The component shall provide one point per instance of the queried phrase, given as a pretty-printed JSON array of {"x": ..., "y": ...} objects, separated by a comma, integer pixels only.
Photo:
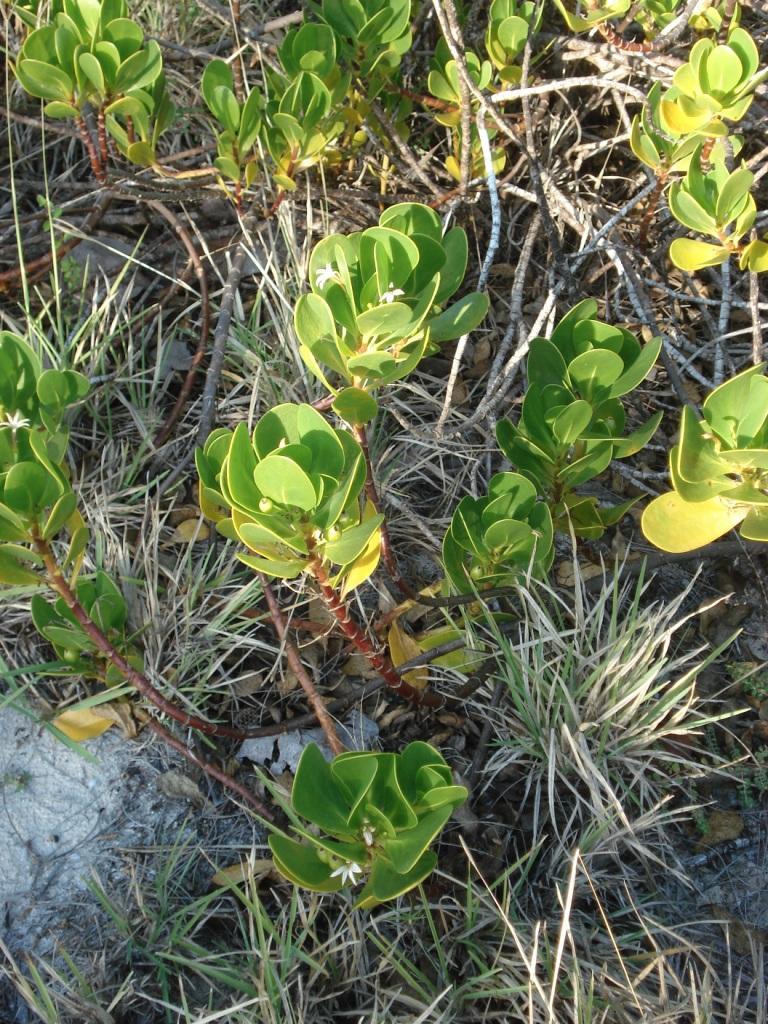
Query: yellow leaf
[
  {"x": 403, "y": 647},
  {"x": 365, "y": 563},
  {"x": 190, "y": 531},
  {"x": 82, "y": 723},
  {"x": 241, "y": 872},
  {"x": 676, "y": 525}
]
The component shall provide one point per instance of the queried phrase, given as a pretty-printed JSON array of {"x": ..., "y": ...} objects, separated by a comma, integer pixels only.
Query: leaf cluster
[
  {"x": 378, "y": 814},
  {"x": 572, "y": 421},
  {"x": 718, "y": 469}
]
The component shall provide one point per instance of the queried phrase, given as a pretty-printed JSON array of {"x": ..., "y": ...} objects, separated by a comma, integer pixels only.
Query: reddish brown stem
[
  {"x": 653, "y": 202},
  {"x": 387, "y": 552},
  {"x": 612, "y": 36},
  {"x": 57, "y": 582},
  {"x": 292, "y": 655},
  {"x": 96, "y": 166},
  {"x": 706, "y": 152},
  {"x": 210, "y": 769},
  {"x": 102, "y": 134},
  {"x": 362, "y": 642}
]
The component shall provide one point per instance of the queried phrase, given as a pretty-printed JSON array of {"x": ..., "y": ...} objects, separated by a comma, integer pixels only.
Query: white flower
[
  {"x": 392, "y": 294},
  {"x": 369, "y": 834},
  {"x": 324, "y": 276},
  {"x": 347, "y": 872},
  {"x": 15, "y": 421}
]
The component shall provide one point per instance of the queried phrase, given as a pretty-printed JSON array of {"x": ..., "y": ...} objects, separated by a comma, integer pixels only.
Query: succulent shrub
[
  {"x": 494, "y": 540},
  {"x": 372, "y": 37},
  {"x": 36, "y": 499},
  {"x": 443, "y": 85},
  {"x": 718, "y": 470},
  {"x": 572, "y": 420},
  {"x": 593, "y": 14},
  {"x": 717, "y": 202},
  {"x": 92, "y": 54},
  {"x": 105, "y": 605},
  {"x": 510, "y": 22},
  {"x": 715, "y": 85},
  {"x": 652, "y": 146},
  {"x": 291, "y": 493},
  {"x": 237, "y": 158},
  {"x": 378, "y": 304},
  {"x": 378, "y": 814}
]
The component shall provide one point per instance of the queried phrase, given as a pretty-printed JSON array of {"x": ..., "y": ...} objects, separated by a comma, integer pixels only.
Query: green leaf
[
  {"x": 638, "y": 370},
  {"x": 60, "y": 513},
  {"x": 286, "y": 569},
  {"x": 301, "y": 865},
  {"x": 355, "y": 406},
  {"x": 92, "y": 70},
  {"x": 141, "y": 69},
  {"x": 316, "y": 795},
  {"x": 572, "y": 422},
  {"x": 285, "y": 482},
  {"x": 594, "y": 372},
  {"x": 460, "y": 318},
  {"x": 15, "y": 573},
  {"x": 45, "y": 81},
  {"x": 352, "y": 541},
  {"x": 59, "y": 110},
  {"x": 386, "y": 883}
]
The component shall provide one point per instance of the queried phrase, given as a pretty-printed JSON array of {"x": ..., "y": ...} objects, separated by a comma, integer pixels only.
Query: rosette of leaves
[
  {"x": 92, "y": 54},
  {"x": 494, "y": 540},
  {"x": 378, "y": 814},
  {"x": 105, "y": 606},
  {"x": 709, "y": 18},
  {"x": 237, "y": 159},
  {"x": 35, "y": 495},
  {"x": 718, "y": 470},
  {"x": 718, "y": 203},
  {"x": 653, "y": 147},
  {"x": 291, "y": 492},
  {"x": 371, "y": 37},
  {"x": 510, "y": 22},
  {"x": 378, "y": 303},
  {"x": 572, "y": 421},
  {"x": 716, "y": 85},
  {"x": 302, "y": 120},
  {"x": 443, "y": 84}
]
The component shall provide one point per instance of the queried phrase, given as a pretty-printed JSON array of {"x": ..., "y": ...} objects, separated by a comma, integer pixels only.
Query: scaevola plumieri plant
[
  {"x": 378, "y": 304},
  {"x": 718, "y": 470},
  {"x": 378, "y": 814},
  {"x": 572, "y": 421},
  {"x": 290, "y": 491},
  {"x": 36, "y": 498},
  {"x": 494, "y": 540}
]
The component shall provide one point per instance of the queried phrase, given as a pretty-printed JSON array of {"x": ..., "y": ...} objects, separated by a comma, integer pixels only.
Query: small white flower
[
  {"x": 347, "y": 872},
  {"x": 392, "y": 294},
  {"x": 15, "y": 421},
  {"x": 325, "y": 275},
  {"x": 369, "y": 834}
]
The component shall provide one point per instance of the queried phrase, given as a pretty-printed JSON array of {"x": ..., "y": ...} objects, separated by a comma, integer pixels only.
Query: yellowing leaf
[
  {"x": 676, "y": 525},
  {"x": 190, "y": 531},
  {"x": 259, "y": 868},
  {"x": 82, "y": 723},
  {"x": 403, "y": 647},
  {"x": 365, "y": 563},
  {"x": 690, "y": 254}
]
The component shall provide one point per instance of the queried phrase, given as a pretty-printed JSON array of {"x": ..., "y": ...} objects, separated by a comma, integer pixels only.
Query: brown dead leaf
[
  {"x": 742, "y": 937},
  {"x": 121, "y": 714},
  {"x": 182, "y": 512},
  {"x": 358, "y": 665},
  {"x": 566, "y": 577},
  {"x": 180, "y": 787},
  {"x": 722, "y": 827}
]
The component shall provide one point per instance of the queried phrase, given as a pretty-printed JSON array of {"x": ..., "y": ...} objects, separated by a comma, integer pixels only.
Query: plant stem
[
  {"x": 216, "y": 773},
  {"x": 653, "y": 202},
  {"x": 325, "y": 720},
  {"x": 56, "y": 581},
  {"x": 102, "y": 135},
  {"x": 362, "y": 642},
  {"x": 387, "y": 551},
  {"x": 96, "y": 165}
]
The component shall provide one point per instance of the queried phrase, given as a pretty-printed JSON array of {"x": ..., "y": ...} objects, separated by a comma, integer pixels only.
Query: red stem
[
  {"x": 209, "y": 769},
  {"x": 102, "y": 129},
  {"x": 362, "y": 642},
  {"x": 58, "y": 583},
  {"x": 93, "y": 156}
]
